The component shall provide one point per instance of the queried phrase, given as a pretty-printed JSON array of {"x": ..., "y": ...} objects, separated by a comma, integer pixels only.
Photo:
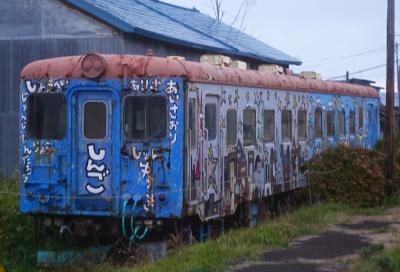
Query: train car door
[
  {"x": 94, "y": 134},
  {"x": 211, "y": 155},
  {"x": 372, "y": 125},
  {"x": 194, "y": 171}
]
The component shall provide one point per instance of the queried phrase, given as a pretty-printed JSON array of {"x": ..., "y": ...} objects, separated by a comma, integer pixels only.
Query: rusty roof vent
[{"x": 150, "y": 52}]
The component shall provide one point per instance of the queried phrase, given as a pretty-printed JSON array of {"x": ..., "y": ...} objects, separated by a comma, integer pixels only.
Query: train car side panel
[{"x": 265, "y": 136}]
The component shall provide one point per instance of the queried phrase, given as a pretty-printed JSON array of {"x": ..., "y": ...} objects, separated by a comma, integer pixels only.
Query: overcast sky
[{"x": 329, "y": 36}]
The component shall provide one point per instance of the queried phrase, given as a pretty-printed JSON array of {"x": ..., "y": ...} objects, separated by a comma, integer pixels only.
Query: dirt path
[{"x": 332, "y": 250}]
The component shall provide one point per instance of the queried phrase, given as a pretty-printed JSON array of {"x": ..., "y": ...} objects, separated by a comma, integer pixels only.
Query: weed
[
  {"x": 375, "y": 258},
  {"x": 371, "y": 250}
]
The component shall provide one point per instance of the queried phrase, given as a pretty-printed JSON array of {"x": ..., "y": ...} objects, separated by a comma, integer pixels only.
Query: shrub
[{"x": 351, "y": 175}]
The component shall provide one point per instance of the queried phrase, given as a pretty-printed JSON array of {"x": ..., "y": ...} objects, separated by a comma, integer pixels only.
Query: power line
[
  {"x": 326, "y": 61},
  {"x": 360, "y": 71}
]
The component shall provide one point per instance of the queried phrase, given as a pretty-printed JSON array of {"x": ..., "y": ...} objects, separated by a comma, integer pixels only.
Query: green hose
[
  {"x": 134, "y": 230},
  {"x": 132, "y": 217},
  {"x": 123, "y": 219},
  {"x": 140, "y": 237}
]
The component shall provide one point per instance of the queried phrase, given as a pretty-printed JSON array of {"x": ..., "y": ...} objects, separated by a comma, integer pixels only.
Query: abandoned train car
[{"x": 155, "y": 139}]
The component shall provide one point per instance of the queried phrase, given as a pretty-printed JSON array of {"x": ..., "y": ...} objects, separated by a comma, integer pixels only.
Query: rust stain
[{"x": 70, "y": 67}]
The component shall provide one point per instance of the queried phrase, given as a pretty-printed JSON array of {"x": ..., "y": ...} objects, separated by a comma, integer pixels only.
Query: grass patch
[
  {"x": 17, "y": 247},
  {"x": 217, "y": 255},
  {"x": 375, "y": 258}
]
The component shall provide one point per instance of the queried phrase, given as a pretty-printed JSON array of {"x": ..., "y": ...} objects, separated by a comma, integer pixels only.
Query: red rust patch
[{"x": 138, "y": 66}]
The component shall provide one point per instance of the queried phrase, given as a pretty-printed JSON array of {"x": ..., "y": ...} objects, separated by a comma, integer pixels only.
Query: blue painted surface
[
  {"x": 93, "y": 177},
  {"x": 187, "y": 27},
  {"x": 63, "y": 258},
  {"x": 76, "y": 176}
]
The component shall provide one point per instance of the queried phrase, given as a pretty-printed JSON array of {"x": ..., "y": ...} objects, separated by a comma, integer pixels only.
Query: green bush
[{"x": 351, "y": 175}]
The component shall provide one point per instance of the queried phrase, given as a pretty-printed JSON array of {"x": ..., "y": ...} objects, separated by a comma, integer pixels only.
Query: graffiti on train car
[
  {"x": 142, "y": 85},
  {"x": 37, "y": 148},
  {"x": 271, "y": 163},
  {"x": 96, "y": 168},
  {"x": 148, "y": 171}
]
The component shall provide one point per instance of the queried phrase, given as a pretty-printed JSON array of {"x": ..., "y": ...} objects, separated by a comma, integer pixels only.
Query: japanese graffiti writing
[
  {"x": 145, "y": 84},
  {"x": 95, "y": 168},
  {"x": 27, "y": 147},
  {"x": 26, "y": 159},
  {"x": 146, "y": 167},
  {"x": 173, "y": 98}
]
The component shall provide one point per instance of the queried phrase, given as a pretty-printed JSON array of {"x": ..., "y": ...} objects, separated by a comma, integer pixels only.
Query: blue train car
[{"x": 105, "y": 137}]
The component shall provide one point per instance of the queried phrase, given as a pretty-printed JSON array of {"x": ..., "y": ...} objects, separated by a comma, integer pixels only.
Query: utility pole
[
  {"x": 398, "y": 73},
  {"x": 389, "y": 125}
]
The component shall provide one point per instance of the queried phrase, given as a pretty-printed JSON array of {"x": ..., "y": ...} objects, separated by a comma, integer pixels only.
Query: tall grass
[{"x": 17, "y": 247}]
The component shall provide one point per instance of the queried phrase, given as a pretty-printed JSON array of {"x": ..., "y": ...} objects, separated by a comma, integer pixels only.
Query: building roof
[
  {"x": 119, "y": 66},
  {"x": 182, "y": 26}
]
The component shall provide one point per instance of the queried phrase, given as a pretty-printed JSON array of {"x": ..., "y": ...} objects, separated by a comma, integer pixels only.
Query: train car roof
[{"x": 120, "y": 66}]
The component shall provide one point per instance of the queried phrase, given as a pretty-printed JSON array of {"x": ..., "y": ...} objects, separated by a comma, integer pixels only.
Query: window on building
[
  {"x": 352, "y": 123},
  {"x": 47, "y": 116},
  {"x": 330, "y": 123},
  {"x": 342, "y": 123},
  {"x": 95, "y": 120},
  {"x": 249, "y": 127},
  {"x": 286, "y": 125},
  {"x": 231, "y": 127},
  {"x": 192, "y": 122},
  {"x": 269, "y": 125},
  {"x": 211, "y": 121},
  {"x": 302, "y": 125},
  {"x": 145, "y": 117},
  {"x": 361, "y": 117},
  {"x": 318, "y": 123}
]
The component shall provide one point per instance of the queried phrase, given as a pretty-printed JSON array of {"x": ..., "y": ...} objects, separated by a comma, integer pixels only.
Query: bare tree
[
  {"x": 240, "y": 16},
  {"x": 217, "y": 8}
]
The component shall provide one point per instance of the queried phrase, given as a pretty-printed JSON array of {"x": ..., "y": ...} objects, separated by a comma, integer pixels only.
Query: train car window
[
  {"x": 342, "y": 122},
  {"x": 249, "y": 127},
  {"x": 318, "y": 123},
  {"x": 330, "y": 123},
  {"x": 95, "y": 120},
  {"x": 361, "y": 117},
  {"x": 145, "y": 117},
  {"x": 192, "y": 122},
  {"x": 47, "y": 116},
  {"x": 302, "y": 125},
  {"x": 286, "y": 125},
  {"x": 231, "y": 127},
  {"x": 352, "y": 123},
  {"x": 269, "y": 125},
  {"x": 211, "y": 121}
]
